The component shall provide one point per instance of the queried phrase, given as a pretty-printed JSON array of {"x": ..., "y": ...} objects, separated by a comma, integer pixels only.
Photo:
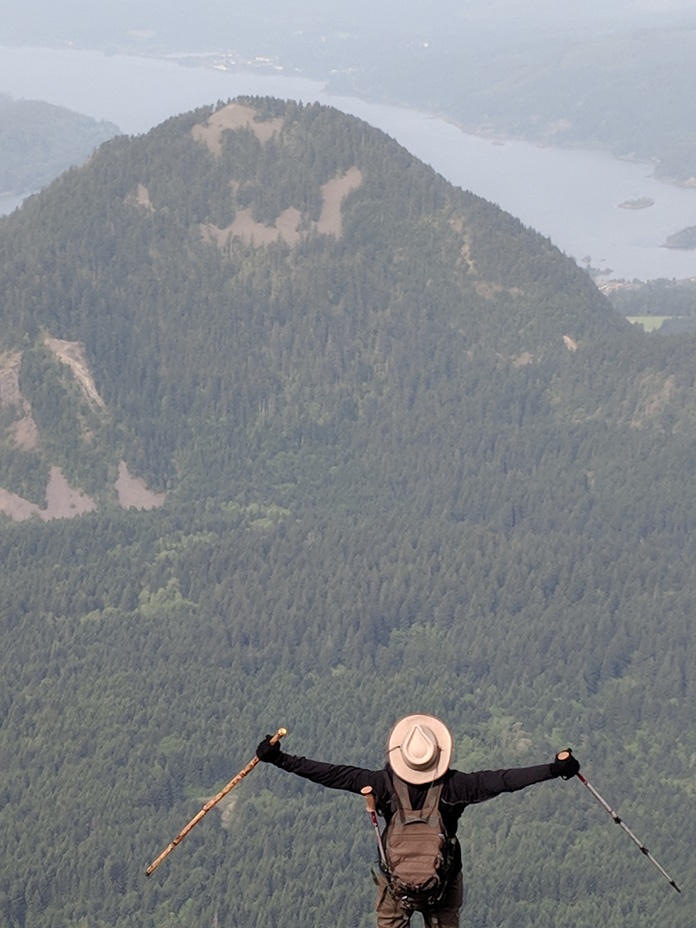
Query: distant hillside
[
  {"x": 341, "y": 442},
  {"x": 619, "y": 75},
  {"x": 38, "y": 141},
  {"x": 627, "y": 89}
]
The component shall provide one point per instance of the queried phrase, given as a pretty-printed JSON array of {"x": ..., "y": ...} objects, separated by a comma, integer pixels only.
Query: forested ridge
[
  {"x": 38, "y": 141},
  {"x": 413, "y": 461}
]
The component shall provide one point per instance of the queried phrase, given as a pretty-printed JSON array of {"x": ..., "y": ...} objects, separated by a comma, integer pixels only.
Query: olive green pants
[{"x": 392, "y": 914}]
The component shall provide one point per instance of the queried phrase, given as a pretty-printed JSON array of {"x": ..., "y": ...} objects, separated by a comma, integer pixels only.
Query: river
[{"x": 573, "y": 196}]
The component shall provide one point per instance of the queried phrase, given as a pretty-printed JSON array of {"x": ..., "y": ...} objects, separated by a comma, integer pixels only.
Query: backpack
[{"x": 419, "y": 855}]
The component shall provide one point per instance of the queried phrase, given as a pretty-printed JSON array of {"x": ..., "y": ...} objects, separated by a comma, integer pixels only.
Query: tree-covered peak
[{"x": 255, "y": 286}]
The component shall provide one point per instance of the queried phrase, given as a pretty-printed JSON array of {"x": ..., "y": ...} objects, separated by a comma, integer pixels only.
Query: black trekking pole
[{"x": 619, "y": 821}]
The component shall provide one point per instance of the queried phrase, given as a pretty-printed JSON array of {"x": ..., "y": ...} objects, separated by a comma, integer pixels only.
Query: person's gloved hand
[
  {"x": 268, "y": 753},
  {"x": 565, "y": 765}
]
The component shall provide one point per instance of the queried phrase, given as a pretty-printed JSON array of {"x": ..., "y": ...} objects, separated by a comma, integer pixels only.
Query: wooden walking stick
[{"x": 209, "y": 805}]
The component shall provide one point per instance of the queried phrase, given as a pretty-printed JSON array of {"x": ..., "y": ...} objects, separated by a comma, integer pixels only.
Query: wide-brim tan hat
[{"x": 419, "y": 748}]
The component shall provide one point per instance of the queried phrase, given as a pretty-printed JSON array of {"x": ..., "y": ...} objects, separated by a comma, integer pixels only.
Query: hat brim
[{"x": 444, "y": 741}]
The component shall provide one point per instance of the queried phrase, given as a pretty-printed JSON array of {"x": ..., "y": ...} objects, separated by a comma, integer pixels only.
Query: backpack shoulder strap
[{"x": 403, "y": 802}]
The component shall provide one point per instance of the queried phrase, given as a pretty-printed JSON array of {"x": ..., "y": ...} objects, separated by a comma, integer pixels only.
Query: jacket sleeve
[
  {"x": 486, "y": 784},
  {"x": 335, "y": 776}
]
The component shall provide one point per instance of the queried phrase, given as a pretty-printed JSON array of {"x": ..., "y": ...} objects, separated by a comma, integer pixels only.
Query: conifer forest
[{"x": 400, "y": 455}]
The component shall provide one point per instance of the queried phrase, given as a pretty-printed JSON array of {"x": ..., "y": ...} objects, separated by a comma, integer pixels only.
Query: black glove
[
  {"x": 565, "y": 765},
  {"x": 268, "y": 753}
]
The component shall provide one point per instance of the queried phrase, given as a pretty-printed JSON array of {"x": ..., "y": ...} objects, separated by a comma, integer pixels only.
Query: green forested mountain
[
  {"x": 38, "y": 141},
  {"x": 406, "y": 458}
]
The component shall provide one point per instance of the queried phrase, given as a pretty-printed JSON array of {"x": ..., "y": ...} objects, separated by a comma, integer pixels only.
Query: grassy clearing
[{"x": 649, "y": 323}]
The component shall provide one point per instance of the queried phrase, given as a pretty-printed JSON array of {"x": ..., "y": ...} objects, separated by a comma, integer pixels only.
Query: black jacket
[{"x": 459, "y": 789}]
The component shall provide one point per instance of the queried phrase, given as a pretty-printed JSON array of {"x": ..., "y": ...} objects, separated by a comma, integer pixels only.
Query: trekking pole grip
[
  {"x": 370, "y": 803},
  {"x": 564, "y": 755}
]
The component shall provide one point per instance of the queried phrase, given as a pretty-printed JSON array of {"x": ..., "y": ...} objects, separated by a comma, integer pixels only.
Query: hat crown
[{"x": 420, "y": 749}]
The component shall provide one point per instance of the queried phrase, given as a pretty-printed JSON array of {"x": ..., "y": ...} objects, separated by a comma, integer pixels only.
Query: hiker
[{"x": 417, "y": 775}]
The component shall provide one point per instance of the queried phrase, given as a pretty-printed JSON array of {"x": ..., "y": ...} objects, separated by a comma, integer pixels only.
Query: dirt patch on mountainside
[
  {"x": 488, "y": 289},
  {"x": 10, "y": 364},
  {"x": 133, "y": 492},
  {"x": 25, "y": 433},
  {"x": 62, "y": 501},
  {"x": 245, "y": 227},
  {"x": 234, "y": 116},
  {"x": 333, "y": 194},
  {"x": 141, "y": 197},
  {"x": 16, "y": 507},
  {"x": 290, "y": 226},
  {"x": 73, "y": 354},
  {"x": 23, "y": 430}
]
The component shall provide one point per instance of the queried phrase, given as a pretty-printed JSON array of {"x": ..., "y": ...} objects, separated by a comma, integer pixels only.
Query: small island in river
[{"x": 639, "y": 203}]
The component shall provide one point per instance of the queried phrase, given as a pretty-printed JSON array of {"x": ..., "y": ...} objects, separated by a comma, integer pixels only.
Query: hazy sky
[{"x": 87, "y": 22}]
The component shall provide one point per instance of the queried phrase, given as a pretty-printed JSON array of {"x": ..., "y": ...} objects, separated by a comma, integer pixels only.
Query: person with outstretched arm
[{"x": 421, "y": 800}]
